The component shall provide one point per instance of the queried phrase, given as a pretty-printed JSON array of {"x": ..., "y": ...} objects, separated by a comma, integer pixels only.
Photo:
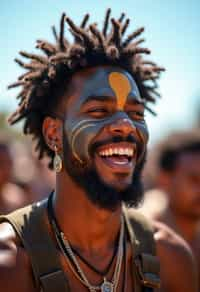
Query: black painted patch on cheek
[
  {"x": 82, "y": 135},
  {"x": 81, "y": 139},
  {"x": 82, "y": 131},
  {"x": 142, "y": 132}
]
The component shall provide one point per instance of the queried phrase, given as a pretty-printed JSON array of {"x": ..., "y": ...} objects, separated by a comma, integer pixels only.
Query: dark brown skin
[
  {"x": 74, "y": 210},
  {"x": 182, "y": 214},
  {"x": 194, "y": 243},
  {"x": 177, "y": 265},
  {"x": 175, "y": 259},
  {"x": 11, "y": 195},
  {"x": 11, "y": 198}
]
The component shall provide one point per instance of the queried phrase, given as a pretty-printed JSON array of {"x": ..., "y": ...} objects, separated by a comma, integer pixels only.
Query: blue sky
[{"x": 172, "y": 34}]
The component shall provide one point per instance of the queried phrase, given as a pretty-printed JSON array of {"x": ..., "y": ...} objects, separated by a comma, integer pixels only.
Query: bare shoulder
[
  {"x": 15, "y": 269},
  {"x": 178, "y": 270}
]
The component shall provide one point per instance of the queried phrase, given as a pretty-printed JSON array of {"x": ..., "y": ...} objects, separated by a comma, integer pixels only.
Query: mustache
[{"x": 115, "y": 139}]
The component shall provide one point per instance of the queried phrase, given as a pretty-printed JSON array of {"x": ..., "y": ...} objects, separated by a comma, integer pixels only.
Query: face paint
[
  {"x": 103, "y": 82},
  {"x": 86, "y": 130},
  {"x": 121, "y": 87},
  {"x": 100, "y": 193}
]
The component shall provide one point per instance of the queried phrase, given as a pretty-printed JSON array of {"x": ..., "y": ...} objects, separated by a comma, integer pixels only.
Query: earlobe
[{"x": 52, "y": 133}]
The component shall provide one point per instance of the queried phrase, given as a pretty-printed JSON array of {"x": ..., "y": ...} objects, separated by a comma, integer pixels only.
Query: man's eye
[
  {"x": 98, "y": 112},
  {"x": 136, "y": 115}
]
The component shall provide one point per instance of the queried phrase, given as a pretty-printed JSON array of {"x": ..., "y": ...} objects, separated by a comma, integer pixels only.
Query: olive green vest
[{"x": 29, "y": 224}]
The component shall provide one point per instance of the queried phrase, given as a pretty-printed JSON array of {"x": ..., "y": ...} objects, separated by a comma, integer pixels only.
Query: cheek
[
  {"x": 81, "y": 133},
  {"x": 143, "y": 136},
  {"x": 81, "y": 138},
  {"x": 143, "y": 132}
]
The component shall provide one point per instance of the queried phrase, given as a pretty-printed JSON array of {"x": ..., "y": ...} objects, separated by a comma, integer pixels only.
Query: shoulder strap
[
  {"x": 145, "y": 263},
  {"x": 30, "y": 226}
]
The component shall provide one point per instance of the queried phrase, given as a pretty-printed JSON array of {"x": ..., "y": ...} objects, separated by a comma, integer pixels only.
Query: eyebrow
[
  {"x": 101, "y": 98},
  {"x": 135, "y": 101}
]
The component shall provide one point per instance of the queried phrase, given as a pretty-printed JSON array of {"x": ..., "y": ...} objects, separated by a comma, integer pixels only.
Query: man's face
[
  {"x": 104, "y": 127},
  {"x": 185, "y": 185}
]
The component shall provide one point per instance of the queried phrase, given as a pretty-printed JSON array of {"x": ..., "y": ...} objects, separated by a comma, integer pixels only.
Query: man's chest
[{"x": 124, "y": 282}]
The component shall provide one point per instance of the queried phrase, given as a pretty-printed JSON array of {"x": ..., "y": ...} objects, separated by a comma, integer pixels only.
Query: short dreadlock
[{"x": 42, "y": 84}]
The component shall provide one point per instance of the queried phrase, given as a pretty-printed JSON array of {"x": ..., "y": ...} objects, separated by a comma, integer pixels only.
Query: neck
[
  {"x": 187, "y": 227},
  {"x": 86, "y": 226}
]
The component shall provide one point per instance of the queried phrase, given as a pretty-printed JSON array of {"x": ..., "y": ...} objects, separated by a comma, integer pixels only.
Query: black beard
[{"x": 99, "y": 193}]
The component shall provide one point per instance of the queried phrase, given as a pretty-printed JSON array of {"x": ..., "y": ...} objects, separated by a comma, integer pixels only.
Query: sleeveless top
[{"x": 29, "y": 224}]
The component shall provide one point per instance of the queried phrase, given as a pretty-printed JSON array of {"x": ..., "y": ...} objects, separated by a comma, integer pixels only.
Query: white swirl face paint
[{"x": 104, "y": 97}]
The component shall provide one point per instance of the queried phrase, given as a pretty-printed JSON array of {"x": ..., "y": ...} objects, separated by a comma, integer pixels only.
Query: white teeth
[
  {"x": 110, "y": 151},
  {"x": 117, "y": 151},
  {"x": 127, "y": 151},
  {"x": 130, "y": 152},
  {"x": 121, "y": 151},
  {"x": 107, "y": 153}
]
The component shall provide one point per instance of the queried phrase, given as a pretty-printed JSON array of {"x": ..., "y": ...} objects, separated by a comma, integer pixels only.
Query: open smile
[{"x": 121, "y": 157}]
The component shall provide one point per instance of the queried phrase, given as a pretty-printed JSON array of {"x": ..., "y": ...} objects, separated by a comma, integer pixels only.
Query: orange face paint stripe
[{"x": 121, "y": 87}]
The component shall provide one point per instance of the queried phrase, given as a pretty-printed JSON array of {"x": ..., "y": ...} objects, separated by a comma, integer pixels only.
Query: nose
[{"x": 122, "y": 126}]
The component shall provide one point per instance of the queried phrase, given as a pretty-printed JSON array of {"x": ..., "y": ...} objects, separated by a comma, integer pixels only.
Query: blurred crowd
[
  {"x": 23, "y": 178},
  {"x": 172, "y": 184}
]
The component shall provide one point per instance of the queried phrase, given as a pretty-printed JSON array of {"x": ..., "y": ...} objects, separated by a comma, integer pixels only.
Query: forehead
[{"x": 104, "y": 81}]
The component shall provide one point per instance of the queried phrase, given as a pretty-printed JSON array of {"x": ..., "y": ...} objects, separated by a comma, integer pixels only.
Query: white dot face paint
[{"x": 102, "y": 97}]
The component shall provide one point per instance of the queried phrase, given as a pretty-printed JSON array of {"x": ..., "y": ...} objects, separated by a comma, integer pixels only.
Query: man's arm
[
  {"x": 15, "y": 269},
  {"x": 178, "y": 270}
]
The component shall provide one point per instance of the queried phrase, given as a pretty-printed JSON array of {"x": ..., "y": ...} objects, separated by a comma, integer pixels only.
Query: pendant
[{"x": 107, "y": 286}]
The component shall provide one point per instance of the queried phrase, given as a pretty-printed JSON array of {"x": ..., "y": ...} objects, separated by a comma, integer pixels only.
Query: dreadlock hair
[
  {"x": 42, "y": 83},
  {"x": 176, "y": 144}
]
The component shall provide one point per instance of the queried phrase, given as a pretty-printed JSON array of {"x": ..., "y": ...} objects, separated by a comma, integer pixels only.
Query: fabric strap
[
  {"x": 29, "y": 224},
  {"x": 146, "y": 268}
]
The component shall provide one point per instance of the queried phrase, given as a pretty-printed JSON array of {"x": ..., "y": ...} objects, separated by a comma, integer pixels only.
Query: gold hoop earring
[{"x": 57, "y": 161}]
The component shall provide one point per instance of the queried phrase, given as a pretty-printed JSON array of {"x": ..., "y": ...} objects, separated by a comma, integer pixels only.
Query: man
[
  {"x": 15, "y": 192},
  {"x": 178, "y": 177},
  {"x": 11, "y": 195},
  {"x": 84, "y": 104},
  {"x": 6, "y": 165}
]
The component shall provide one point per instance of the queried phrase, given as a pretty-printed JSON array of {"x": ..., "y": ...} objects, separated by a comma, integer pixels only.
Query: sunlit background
[{"x": 172, "y": 34}]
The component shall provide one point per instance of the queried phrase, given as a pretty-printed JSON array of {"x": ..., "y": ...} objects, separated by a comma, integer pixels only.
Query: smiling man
[
  {"x": 105, "y": 133},
  {"x": 84, "y": 104}
]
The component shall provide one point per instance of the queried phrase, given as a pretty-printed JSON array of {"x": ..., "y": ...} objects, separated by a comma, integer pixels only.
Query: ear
[{"x": 52, "y": 132}]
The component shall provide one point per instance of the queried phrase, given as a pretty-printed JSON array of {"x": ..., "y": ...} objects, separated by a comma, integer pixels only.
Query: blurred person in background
[
  {"x": 34, "y": 176},
  {"x": 12, "y": 196},
  {"x": 23, "y": 179},
  {"x": 175, "y": 200},
  {"x": 43, "y": 180},
  {"x": 5, "y": 165}
]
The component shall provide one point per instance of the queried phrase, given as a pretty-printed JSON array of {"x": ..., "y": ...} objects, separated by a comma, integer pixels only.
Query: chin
[
  {"x": 115, "y": 180},
  {"x": 105, "y": 189},
  {"x": 119, "y": 186}
]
